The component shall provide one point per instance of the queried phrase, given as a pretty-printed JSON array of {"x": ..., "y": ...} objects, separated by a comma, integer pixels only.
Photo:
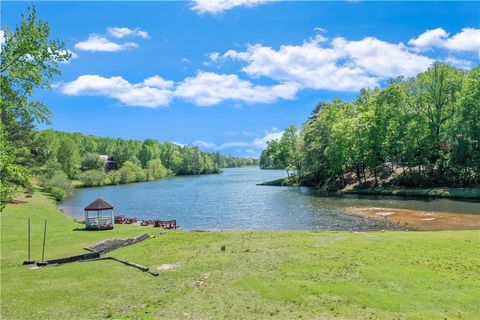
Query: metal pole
[
  {"x": 29, "y": 261},
  {"x": 44, "y": 237},
  {"x": 29, "y": 239},
  {"x": 43, "y": 263}
]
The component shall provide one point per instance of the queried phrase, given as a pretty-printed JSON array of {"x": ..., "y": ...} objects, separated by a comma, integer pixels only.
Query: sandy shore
[{"x": 421, "y": 220}]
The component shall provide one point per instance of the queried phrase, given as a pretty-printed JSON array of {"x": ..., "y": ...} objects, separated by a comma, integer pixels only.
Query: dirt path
[{"x": 422, "y": 220}]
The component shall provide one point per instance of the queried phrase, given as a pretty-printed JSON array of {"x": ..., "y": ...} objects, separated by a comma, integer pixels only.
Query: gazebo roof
[{"x": 99, "y": 205}]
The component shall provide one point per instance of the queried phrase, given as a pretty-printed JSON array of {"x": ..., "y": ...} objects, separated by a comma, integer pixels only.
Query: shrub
[
  {"x": 113, "y": 177},
  {"x": 93, "y": 178},
  {"x": 130, "y": 172},
  {"x": 58, "y": 181},
  {"x": 155, "y": 170},
  {"x": 412, "y": 179},
  {"x": 57, "y": 193},
  {"x": 92, "y": 161},
  {"x": 29, "y": 190}
]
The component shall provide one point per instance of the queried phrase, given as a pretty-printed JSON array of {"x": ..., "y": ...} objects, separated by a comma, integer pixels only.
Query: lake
[{"x": 232, "y": 200}]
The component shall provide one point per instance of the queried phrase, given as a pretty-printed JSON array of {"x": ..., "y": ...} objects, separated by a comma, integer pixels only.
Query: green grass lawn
[{"x": 261, "y": 274}]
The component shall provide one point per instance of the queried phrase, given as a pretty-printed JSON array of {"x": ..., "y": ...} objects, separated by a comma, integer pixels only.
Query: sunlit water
[{"x": 232, "y": 200}]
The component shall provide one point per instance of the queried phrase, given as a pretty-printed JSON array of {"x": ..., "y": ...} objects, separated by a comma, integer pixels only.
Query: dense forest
[
  {"x": 422, "y": 131},
  {"x": 96, "y": 161},
  {"x": 29, "y": 61}
]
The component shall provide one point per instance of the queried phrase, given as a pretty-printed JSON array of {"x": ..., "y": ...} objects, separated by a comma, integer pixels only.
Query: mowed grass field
[{"x": 260, "y": 275}]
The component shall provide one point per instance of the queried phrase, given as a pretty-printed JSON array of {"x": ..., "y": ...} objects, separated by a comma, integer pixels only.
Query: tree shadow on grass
[{"x": 90, "y": 230}]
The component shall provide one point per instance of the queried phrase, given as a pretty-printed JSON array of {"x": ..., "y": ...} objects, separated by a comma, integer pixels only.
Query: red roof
[{"x": 99, "y": 205}]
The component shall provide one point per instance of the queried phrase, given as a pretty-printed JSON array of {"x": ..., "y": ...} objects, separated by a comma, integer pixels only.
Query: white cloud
[
  {"x": 234, "y": 144},
  {"x": 219, "y": 6},
  {"x": 204, "y": 144},
  {"x": 466, "y": 40},
  {"x": 337, "y": 64},
  {"x": 158, "y": 82},
  {"x": 207, "y": 89},
  {"x": 121, "y": 32},
  {"x": 226, "y": 145},
  {"x": 2, "y": 37},
  {"x": 179, "y": 144},
  {"x": 261, "y": 143},
  {"x": 381, "y": 59},
  {"x": 459, "y": 63},
  {"x": 318, "y": 63},
  {"x": 96, "y": 42},
  {"x": 430, "y": 38},
  {"x": 214, "y": 56},
  {"x": 73, "y": 55},
  {"x": 131, "y": 94},
  {"x": 252, "y": 147}
]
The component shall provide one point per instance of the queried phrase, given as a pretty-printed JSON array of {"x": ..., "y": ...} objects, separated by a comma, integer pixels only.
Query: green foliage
[
  {"x": 150, "y": 150},
  {"x": 13, "y": 177},
  {"x": 59, "y": 186},
  {"x": 424, "y": 129},
  {"x": 29, "y": 60},
  {"x": 129, "y": 172},
  {"x": 58, "y": 193},
  {"x": 92, "y": 161},
  {"x": 69, "y": 157},
  {"x": 130, "y": 160},
  {"x": 91, "y": 178},
  {"x": 155, "y": 169},
  {"x": 269, "y": 158}
]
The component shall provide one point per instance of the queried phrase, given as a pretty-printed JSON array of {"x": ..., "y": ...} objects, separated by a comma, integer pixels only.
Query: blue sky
[{"x": 230, "y": 77}]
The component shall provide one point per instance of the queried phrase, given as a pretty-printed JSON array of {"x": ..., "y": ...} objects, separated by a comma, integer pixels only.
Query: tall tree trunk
[
  {"x": 364, "y": 170},
  {"x": 359, "y": 176}
]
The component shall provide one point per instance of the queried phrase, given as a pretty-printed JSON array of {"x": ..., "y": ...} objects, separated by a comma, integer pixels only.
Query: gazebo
[{"x": 103, "y": 219}]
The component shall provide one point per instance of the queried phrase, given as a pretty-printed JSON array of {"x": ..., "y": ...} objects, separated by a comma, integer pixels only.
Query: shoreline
[
  {"x": 80, "y": 185},
  {"x": 435, "y": 192}
]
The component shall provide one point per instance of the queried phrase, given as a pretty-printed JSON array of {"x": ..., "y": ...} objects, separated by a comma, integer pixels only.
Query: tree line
[
  {"x": 96, "y": 161},
  {"x": 420, "y": 131}
]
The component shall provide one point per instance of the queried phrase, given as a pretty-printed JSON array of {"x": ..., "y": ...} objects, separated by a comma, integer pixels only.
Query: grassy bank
[{"x": 261, "y": 274}]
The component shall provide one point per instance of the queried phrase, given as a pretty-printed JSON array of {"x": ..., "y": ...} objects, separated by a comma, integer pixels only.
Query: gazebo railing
[{"x": 99, "y": 223}]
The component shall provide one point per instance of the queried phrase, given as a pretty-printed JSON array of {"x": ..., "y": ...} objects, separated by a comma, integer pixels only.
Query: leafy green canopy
[
  {"x": 76, "y": 153},
  {"x": 421, "y": 131},
  {"x": 29, "y": 60}
]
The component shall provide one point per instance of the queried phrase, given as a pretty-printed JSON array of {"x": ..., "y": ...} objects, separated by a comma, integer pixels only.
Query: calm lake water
[{"x": 231, "y": 200}]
